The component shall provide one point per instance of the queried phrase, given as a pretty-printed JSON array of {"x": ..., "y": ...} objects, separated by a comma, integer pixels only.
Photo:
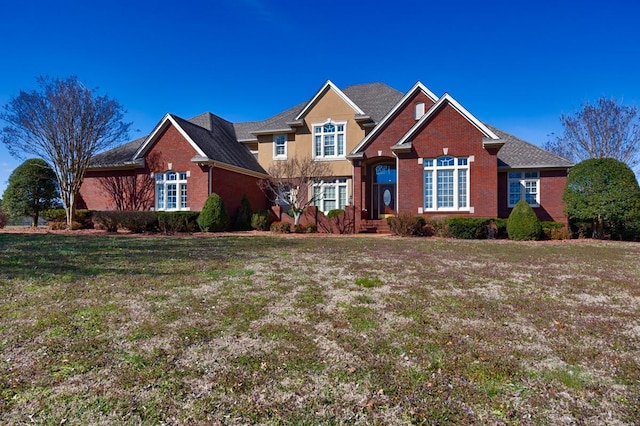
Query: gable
[
  {"x": 397, "y": 122},
  {"x": 334, "y": 93},
  {"x": 160, "y": 129}
]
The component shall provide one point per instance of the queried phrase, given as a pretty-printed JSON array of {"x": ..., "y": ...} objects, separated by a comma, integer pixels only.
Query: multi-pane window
[
  {"x": 524, "y": 186},
  {"x": 280, "y": 146},
  {"x": 328, "y": 140},
  {"x": 446, "y": 183},
  {"x": 171, "y": 190},
  {"x": 330, "y": 195}
]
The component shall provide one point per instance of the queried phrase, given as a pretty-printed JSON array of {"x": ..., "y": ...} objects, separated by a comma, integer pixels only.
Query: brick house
[
  {"x": 388, "y": 152},
  {"x": 179, "y": 164}
]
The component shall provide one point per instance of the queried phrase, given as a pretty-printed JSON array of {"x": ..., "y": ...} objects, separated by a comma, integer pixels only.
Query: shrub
[
  {"x": 83, "y": 218},
  {"x": 405, "y": 224},
  {"x": 172, "y": 222},
  {"x": 54, "y": 215},
  {"x": 261, "y": 220},
  {"x": 3, "y": 219},
  {"x": 243, "y": 216},
  {"x": 438, "y": 226},
  {"x": 554, "y": 231},
  {"x": 309, "y": 228},
  {"x": 468, "y": 228},
  {"x": 523, "y": 224},
  {"x": 332, "y": 214},
  {"x": 280, "y": 227},
  {"x": 214, "y": 216},
  {"x": 105, "y": 220}
]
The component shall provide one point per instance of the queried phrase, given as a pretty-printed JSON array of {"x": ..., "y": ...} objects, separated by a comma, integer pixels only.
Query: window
[
  {"x": 524, "y": 186},
  {"x": 446, "y": 183},
  {"x": 171, "y": 190},
  {"x": 329, "y": 140},
  {"x": 280, "y": 146},
  {"x": 330, "y": 195}
]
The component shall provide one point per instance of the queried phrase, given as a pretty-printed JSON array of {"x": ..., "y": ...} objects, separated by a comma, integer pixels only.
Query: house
[
  {"x": 175, "y": 168},
  {"x": 388, "y": 152}
]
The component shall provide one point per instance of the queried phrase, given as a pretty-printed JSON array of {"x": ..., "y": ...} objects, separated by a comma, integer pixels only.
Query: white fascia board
[
  {"x": 329, "y": 84},
  {"x": 448, "y": 99},
  {"x": 164, "y": 123},
  {"x": 394, "y": 110}
]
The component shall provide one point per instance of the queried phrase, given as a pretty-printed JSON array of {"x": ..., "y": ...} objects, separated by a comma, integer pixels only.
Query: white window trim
[
  {"x": 277, "y": 156},
  {"x": 336, "y": 133},
  {"x": 180, "y": 183},
  {"x": 336, "y": 183},
  {"x": 522, "y": 180},
  {"x": 434, "y": 185}
]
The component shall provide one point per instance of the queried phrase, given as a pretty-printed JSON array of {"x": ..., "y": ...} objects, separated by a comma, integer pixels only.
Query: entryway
[{"x": 383, "y": 190}]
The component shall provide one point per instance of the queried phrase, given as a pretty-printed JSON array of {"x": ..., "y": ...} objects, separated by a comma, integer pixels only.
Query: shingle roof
[
  {"x": 375, "y": 99},
  {"x": 215, "y": 136},
  {"x": 118, "y": 156},
  {"x": 220, "y": 143},
  {"x": 518, "y": 154}
]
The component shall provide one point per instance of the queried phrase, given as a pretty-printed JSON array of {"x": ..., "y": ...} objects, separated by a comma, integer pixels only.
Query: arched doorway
[{"x": 383, "y": 195}]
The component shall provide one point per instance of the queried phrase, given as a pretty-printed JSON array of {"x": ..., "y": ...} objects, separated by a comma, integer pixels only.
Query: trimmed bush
[
  {"x": 243, "y": 215},
  {"x": 468, "y": 228},
  {"x": 172, "y": 222},
  {"x": 214, "y": 216},
  {"x": 133, "y": 221},
  {"x": 437, "y": 225},
  {"x": 280, "y": 227},
  {"x": 261, "y": 220},
  {"x": 83, "y": 218},
  {"x": 523, "y": 224},
  {"x": 105, "y": 220},
  {"x": 3, "y": 219}
]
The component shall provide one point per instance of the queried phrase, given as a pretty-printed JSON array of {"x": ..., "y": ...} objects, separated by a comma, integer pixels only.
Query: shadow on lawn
[{"x": 47, "y": 256}]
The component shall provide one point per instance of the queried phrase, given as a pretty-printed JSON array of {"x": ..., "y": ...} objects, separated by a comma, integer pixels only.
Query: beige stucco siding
[{"x": 328, "y": 106}]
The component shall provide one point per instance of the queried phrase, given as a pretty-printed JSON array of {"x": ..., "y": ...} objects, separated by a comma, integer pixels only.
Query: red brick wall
[
  {"x": 172, "y": 148},
  {"x": 94, "y": 197},
  {"x": 552, "y": 184},
  {"x": 449, "y": 129},
  {"x": 231, "y": 186}
]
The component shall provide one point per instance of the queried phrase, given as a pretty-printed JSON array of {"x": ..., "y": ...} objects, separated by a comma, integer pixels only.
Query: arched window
[{"x": 329, "y": 140}]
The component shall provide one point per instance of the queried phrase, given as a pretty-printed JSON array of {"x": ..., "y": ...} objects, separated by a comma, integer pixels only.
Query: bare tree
[
  {"x": 131, "y": 192},
  {"x": 66, "y": 124},
  {"x": 291, "y": 183},
  {"x": 605, "y": 129}
]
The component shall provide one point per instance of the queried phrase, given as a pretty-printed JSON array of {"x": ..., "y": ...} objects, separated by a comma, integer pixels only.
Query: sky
[{"x": 515, "y": 65}]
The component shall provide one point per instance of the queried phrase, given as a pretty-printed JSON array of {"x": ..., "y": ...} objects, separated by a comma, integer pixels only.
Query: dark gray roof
[
  {"x": 215, "y": 136},
  {"x": 518, "y": 154},
  {"x": 118, "y": 156},
  {"x": 278, "y": 121},
  {"x": 219, "y": 142},
  {"x": 375, "y": 99}
]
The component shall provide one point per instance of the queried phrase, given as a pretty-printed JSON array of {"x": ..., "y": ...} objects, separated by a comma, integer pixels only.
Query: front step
[{"x": 375, "y": 226}]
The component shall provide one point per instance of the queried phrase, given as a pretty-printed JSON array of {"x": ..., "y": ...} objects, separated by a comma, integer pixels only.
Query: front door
[
  {"x": 384, "y": 190},
  {"x": 386, "y": 199}
]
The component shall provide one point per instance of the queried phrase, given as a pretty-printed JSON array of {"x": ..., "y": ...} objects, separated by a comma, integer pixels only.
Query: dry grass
[{"x": 99, "y": 329}]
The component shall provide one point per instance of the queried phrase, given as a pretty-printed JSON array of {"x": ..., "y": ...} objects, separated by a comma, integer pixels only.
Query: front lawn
[{"x": 98, "y": 329}]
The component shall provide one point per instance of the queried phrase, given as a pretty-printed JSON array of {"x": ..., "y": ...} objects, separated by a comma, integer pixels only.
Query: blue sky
[{"x": 515, "y": 65}]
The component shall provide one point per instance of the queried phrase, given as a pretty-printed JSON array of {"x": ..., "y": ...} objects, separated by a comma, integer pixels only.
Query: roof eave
[
  {"x": 206, "y": 161},
  {"x": 493, "y": 143},
  {"x": 273, "y": 131}
]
